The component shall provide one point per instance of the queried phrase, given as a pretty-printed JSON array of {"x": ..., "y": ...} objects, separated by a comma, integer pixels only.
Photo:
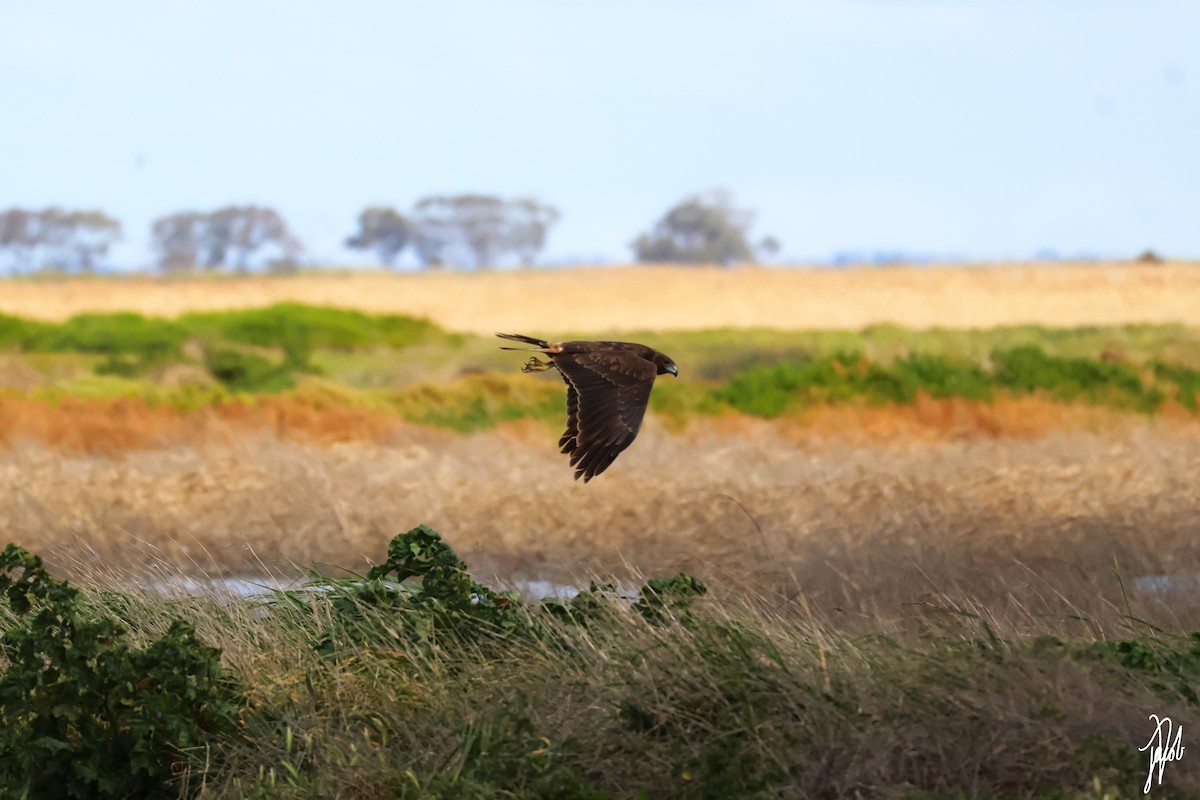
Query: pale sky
[{"x": 982, "y": 130}]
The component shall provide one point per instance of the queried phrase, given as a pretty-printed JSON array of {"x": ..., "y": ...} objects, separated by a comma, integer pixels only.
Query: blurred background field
[{"x": 124, "y": 432}]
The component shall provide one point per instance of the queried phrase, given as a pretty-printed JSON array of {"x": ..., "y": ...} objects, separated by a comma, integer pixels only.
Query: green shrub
[
  {"x": 769, "y": 391},
  {"x": 422, "y": 592},
  {"x": 247, "y": 372},
  {"x": 85, "y": 715},
  {"x": 1172, "y": 661},
  {"x": 943, "y": 377},
  {"x": 16, "y": 333},
  {"x": 660, "y": 598},
  {"x": 125, "y": 333},
  {"x": 1185, "y": 380},
  {"x": 300, "y": 328},
  {"x": 1028, "y": 369},
  {"x": 130, "y": 342}
]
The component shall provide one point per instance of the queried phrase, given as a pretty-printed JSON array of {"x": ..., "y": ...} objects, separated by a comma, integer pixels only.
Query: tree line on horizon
[{"x": 464, "y": 231}]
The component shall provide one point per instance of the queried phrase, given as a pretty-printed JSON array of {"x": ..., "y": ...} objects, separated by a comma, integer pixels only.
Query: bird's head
[{"x": 665, "y": 365}]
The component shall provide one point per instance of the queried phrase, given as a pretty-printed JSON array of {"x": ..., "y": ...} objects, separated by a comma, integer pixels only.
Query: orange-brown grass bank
[{"x": 116, "y": 426}]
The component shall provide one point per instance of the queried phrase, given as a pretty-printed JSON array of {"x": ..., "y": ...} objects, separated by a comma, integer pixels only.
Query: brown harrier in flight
[{"x": 608, "y": 386}]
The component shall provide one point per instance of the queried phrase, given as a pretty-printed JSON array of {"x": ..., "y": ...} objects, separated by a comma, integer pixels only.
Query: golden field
[{"x": 672, "y": 298}]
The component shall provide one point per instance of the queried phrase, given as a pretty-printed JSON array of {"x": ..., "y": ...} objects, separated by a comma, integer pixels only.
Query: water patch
[
  {"x": 250, "y": 588},
  {"x": 1179, "y": 588}
]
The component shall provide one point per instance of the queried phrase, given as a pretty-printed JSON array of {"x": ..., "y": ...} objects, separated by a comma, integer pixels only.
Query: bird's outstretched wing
[{"x": 607, "y": 392}]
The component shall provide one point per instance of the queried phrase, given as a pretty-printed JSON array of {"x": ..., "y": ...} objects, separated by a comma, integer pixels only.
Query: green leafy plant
[
  {"x": 1185, "y": 379},
  {"x": 1172, "y": 661},
  {"x": 247, "y": 372},
  {"x": 83, "y": 714},
  {"x": 422, "y": 592},
  {"x": 130, "y": 342},
  {"x": 17, "y": 333},
  {"x": 1029, "y": 368},
  {"x": 664, "y": 598},
  {"x": 296, "y": 327},
  {"x": 770, "y": 391}
]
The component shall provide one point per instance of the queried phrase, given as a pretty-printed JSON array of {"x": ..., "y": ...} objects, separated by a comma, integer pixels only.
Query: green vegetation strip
[
  {"x": 416, "y": 681},
  {"x": 413, "y": 367}
]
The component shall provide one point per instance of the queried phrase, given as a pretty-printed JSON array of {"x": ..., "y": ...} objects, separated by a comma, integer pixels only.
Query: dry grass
[
  {"x": 1016, "y": 528},
  {"x": 661, "y": 298},
  {"x": 110, "y": 427}
]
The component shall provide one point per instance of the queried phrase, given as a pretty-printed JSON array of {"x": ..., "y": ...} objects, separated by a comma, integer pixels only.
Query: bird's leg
[{"x": 535, "y": 364}]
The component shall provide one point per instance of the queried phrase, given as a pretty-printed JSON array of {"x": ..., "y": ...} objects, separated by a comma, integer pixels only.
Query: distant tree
[
  {"x": 84, "y": 237},
  {"x": 479, "y": 231},
  {"x": 769, "y": 247},
  {"x": 234, "y": 234},
  {"x": 529, "y": 222},
  {"x": 18, "y": 237},
  {"x": 65, "y": 240},
  {"x": 384, "y": 230},
  {"x": 700, "y": 229},
  {"x": 465, "y": 230},
  {"x": 176, "y": 237},
  {"x": 228, "y": 237}
]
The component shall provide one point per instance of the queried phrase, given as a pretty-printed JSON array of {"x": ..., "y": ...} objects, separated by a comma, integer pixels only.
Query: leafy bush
[
  {"x": 17, "y": 333},
  {"x": 85, "y": 715},
  {"x": 660, "y": 598},
  {"x": 1172, "y": 661},
  {"x": 130, "y": 341},
  {"x": 1186, "y": 381},
  {"x": 942, "y": 377},
  {"x": 1029, "y": 368},
  {"x": 247, "y": 372},
  {"x": 300, "y": 328},
  {"x": 769, "y": 391},
  {"x": 124, "y": 333},
  {"x": 422, "y": 592}
]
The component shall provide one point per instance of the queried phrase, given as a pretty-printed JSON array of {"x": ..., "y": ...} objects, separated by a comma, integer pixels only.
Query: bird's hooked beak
[{"x": 671, "y": 369}]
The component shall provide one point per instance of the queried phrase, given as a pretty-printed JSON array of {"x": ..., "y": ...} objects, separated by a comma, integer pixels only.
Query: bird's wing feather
[
  {"x": 606, "y": 402},
  {"x": 571, "y": 434}
]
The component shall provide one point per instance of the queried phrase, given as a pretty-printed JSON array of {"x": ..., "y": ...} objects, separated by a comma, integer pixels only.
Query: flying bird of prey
[{"x": 608, "y": 386}]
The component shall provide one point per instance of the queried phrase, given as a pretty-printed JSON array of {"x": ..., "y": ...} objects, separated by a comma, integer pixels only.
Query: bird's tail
[{"x": 516, "y": 337}]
